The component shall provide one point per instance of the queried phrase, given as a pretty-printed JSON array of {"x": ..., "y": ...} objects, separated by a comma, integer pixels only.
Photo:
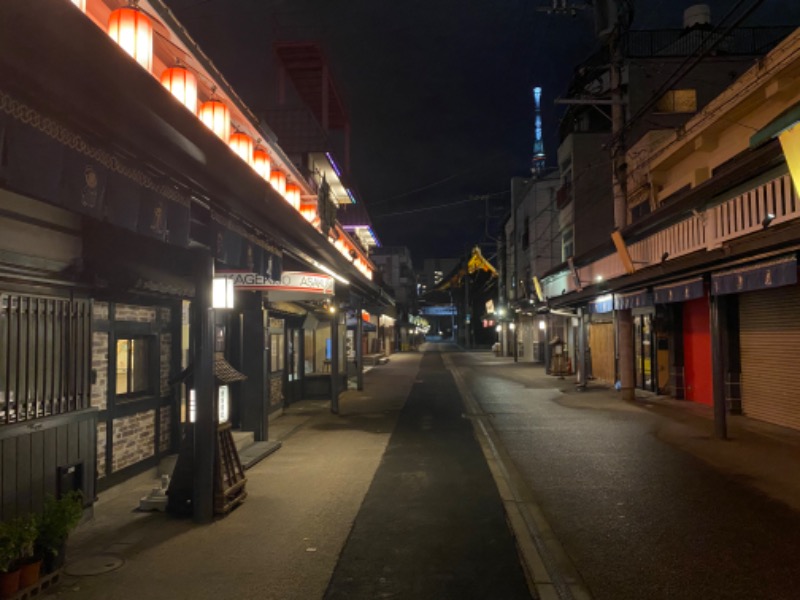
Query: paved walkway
[{"x": 395, "y": 483}]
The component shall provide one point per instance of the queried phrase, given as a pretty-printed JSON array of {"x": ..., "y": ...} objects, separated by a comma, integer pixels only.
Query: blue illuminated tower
[{"x": 538, "y": 162}]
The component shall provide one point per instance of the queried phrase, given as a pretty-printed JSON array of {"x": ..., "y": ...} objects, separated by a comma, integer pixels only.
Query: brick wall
[
  {"x": 166, "y": 423},
  {"x": 101, "y": 450},
  {"x": 276, "y": 389},
  {"x": 134, "y": 439},
  {"x": 100, "y": 368},
  {"x": 142, "y": 314},
  {"x": 166, "y": 355},
  {"x": 99, "y": 311}
]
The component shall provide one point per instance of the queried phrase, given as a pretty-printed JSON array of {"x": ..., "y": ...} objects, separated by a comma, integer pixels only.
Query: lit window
[
  {"x": 276, "y": 351},
  {"x": 678, "y": 101},
  {"x": 567, "y": 246},
  {"x": 133, "y": 372}
]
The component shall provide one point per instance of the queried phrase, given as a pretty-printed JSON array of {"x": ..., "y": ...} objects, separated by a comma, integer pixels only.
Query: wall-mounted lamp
[
  {"x": 767, "y": 220},
  {"x": 192, "y": 406},
  {"x": 498, "y": 329},
  {"x": 223, "y": 404},
  {"x": 598, "y": 278},
  {"x": 512, "y": 326},
  {"x": 542, "y": 325},
  {"x": 222, "y": 293}
]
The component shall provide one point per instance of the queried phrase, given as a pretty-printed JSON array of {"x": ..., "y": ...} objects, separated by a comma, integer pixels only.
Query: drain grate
[{"x": 94, "y": 565}]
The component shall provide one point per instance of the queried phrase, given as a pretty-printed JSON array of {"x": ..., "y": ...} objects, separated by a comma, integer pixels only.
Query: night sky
[{"x": 438, "y": 93}]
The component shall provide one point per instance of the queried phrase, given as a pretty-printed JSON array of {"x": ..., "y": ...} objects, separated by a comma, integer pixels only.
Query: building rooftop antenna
[{"x": 539, "y": 158}]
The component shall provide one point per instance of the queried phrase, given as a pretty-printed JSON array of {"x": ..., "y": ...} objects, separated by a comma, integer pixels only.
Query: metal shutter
[
  {"x": 601, "y": 342},
  {"x": 770, "y": 338}
]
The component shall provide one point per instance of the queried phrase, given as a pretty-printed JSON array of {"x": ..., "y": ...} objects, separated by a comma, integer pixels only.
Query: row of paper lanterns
[{"x": 132, "y": 30}]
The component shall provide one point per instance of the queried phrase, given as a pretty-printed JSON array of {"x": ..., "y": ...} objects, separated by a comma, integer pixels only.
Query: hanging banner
[
  {"x": 775, "y": 273},
  {"x": 633, "y": 300},
  {"x": 680, "y": 291}
]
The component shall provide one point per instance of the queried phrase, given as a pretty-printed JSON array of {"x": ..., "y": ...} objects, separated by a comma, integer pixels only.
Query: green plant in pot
[
  {"x": 59, "y": 517},
  {"x": 9, "y": 553},
  {"x": 27, "y": 533}
]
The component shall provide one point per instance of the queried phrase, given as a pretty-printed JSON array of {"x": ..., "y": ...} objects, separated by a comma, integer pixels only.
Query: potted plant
[
  {"x": 9, "y": 552},
  {"x": 59, "y": 517},
  {"x": 29, "y": 563}
]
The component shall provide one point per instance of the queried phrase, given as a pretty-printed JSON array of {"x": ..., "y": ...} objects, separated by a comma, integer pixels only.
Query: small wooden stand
[{"x": 229, "y": 479}]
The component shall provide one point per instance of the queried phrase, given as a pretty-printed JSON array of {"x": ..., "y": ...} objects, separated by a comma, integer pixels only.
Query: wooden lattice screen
[{"x": 45, "y": 356}]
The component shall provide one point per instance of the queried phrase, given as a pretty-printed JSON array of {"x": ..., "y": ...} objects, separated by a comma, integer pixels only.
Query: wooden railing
[{"x": 767, "y": 205}]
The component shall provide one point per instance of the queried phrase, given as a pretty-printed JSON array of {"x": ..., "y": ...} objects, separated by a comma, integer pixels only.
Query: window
[
  {"x": 678, "y": 101},
  {"x": 526, "y": 234},
  {"x": 567, "y": 246},
  {"x": 45, "y": 356},
  {"x": 133, "y": 366},
  {"x": 276, "y": 341}
]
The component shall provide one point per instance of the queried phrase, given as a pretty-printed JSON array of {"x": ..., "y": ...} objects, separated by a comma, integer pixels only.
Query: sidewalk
[
  {"x": 286, "y": 539},
  {"x": 283, "y": 542},
  {"x": 762, "y": 455}
]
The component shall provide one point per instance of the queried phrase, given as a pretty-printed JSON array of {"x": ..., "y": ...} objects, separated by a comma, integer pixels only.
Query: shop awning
[
  {"x": 638, "y": 299},
  {"x": 603, "y": 304},
  {"x": 760, "y": 276},
  {"x": 679, "y": 291}
]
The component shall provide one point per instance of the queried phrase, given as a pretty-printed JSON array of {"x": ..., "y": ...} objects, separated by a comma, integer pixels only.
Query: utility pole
[
  {"x": 612, "y": 20},
  {"x": 619, "y": 174}
]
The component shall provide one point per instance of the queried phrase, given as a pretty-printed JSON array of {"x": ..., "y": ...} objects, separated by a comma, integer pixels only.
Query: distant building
[{"x": 397, "y": 271}]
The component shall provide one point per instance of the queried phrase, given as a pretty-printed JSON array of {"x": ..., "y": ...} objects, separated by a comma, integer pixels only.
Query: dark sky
[{"x": 438, "y": 93}]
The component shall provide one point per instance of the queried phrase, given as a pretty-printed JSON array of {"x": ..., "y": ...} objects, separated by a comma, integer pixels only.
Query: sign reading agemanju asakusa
[{"x": 290, "y": 281}]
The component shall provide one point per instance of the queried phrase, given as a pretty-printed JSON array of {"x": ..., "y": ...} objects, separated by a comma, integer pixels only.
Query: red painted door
[{"x": 697, "y": 351}]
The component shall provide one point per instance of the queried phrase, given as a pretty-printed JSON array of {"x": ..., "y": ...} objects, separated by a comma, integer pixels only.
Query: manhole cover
[{"x": 94, "y": 565}]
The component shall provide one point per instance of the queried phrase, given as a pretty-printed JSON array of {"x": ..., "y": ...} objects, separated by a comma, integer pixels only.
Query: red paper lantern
[
  {"x": 131, "y": 29},
  {"x": 278, "y": 181},
  {"x": 293, "y": 195},
  {"x": 261, "y": 163},
  {"x": 242, "y": 144},
  {"x": 217, "y": 118},
  {"x": 183, "y": 85}
]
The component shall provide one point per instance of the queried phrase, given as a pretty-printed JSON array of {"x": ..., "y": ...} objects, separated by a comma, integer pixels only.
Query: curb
[{"x": 548, "y": 569}]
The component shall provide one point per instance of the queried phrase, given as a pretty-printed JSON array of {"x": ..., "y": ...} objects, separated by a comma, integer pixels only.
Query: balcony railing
[
  {"x": 770, "y": 204},
  {"x": 743, "y": 41}
]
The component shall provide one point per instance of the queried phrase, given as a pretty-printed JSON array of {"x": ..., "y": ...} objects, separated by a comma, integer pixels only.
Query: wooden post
[
  {"x": 359, "y": 334},
  {"x": 205, "y": 426},
  {"x": 335, "y": 362}
]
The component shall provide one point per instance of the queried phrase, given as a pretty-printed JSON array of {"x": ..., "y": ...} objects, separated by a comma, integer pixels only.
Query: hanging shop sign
[
  {"x": 438, "y": 311},
  {"x": 292, "y": 285}
]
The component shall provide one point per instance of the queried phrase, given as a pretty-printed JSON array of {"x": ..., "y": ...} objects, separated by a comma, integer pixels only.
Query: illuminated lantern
[
  {"x": 131, "y": 29},
  {"x": 183, "y": 85},
  {"x": 261, "y": 163},
  {"x": 80, "y": 4},
  {"x": 278, "y": 181},
  {"x": 217, "y": 118},
  {"x": 242, "y": 144},
  {"x": 293, "y": 195}
]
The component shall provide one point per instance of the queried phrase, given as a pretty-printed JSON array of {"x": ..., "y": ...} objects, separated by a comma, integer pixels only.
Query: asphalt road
[
  {"x": 639, "y": 518},
  {"x": 432, "y": 524}
]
